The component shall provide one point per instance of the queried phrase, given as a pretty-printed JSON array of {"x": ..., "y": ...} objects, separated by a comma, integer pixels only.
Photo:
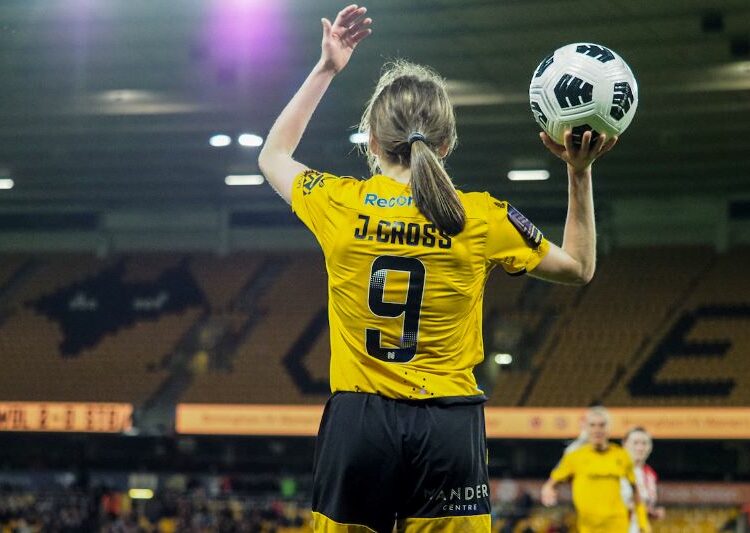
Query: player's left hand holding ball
[
  {"x": 342, "y": 37},
  {"x": 579, "y": 159}
]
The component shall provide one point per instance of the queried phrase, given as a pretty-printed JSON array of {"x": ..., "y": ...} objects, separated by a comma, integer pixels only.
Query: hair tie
[{"x": 416, "y": 136}]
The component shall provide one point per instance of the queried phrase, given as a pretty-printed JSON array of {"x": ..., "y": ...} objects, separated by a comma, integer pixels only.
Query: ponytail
[
  {"x": 432, "y": 189},
  {"x": 409, "y": 117}
]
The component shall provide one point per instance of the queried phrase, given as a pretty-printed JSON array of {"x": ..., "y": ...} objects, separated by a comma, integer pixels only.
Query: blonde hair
[
  {"x": 413, "y": 98},
  {"x": 583, "y": 436},
  {"x": 601, "y": 411},
  {"x": 639, "y": 429}
]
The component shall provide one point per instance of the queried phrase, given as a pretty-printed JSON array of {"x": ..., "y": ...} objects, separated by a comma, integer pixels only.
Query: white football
[{"x": 583, "y": 86}]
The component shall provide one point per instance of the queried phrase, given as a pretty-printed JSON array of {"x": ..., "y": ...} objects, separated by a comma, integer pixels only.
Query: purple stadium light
[{"x": 241, "y": 35}]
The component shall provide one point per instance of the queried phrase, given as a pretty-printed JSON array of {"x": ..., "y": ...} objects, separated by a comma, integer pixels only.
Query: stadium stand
[
  {"x": 699, "y": 355},
  {"x": 222, "y": 279},
  {"x": 9, "y": 267},
  {"x": 252, "y": 328},
  {"x": 80, "y": 328},
  {"x": 595, "y": 336},
  {"x": 284, "y": 358},
  {"x": 49, "y": 273},
  {"x": 697, "y": 520},
  {"x": 226, "y": 509},
  {"x": 169, "y": 512},
  {"x": 677, "y": 520}
]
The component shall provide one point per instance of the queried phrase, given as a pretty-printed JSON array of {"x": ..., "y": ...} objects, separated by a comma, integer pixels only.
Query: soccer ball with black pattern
[{"x": 583, "y": 86}]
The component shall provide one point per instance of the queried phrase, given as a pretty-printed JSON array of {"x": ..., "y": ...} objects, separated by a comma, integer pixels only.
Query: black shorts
[{"x": 379, "y": 460}]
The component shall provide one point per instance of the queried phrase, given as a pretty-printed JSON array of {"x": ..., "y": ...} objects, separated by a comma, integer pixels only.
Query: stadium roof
[{"x": 112, "y": 103}]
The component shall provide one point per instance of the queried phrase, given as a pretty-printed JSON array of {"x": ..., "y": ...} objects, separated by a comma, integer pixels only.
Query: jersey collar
[{"x": 389, "y": 179}]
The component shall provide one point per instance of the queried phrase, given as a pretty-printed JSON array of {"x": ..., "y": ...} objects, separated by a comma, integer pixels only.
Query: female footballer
[
  {"x": 402, "y": 437},
  {"x": 638, "y": 443},
  {"x": 595, "y": 470}
]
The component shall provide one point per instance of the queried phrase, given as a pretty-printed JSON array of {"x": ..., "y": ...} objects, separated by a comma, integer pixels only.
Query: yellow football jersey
[
  {"x": 596, "y": 476},
  {"x": 405, "y": 299}
]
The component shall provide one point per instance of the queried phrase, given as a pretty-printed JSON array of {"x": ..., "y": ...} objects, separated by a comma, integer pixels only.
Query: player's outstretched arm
[
  {"x": 549, "y": 493},
  {"x": 564, "y": 471},
  {"x": 340, "y": 38},
  {"x": 575, "y": 261}
]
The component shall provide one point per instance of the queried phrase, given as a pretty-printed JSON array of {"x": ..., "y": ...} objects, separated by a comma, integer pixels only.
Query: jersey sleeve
[
  {"x": 311, "y": 197},
  {"x": 564, "y": 469},
  {"x": 512, "y": 240}
]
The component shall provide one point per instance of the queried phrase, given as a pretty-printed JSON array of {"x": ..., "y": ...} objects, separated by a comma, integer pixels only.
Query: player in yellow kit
[
  {"x": 402, "y": 437},
  {"x": 595, "y": 470}
]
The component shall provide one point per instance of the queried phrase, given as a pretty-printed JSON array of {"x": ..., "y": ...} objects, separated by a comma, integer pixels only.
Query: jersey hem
[{"x": 439, "y": 400}]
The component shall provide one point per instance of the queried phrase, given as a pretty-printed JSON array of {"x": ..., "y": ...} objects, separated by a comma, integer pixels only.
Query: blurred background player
[
  {"x": 402, "y": 438},
  {"x": 638, "y": 443},
  {"x": 595, "y": 470}
]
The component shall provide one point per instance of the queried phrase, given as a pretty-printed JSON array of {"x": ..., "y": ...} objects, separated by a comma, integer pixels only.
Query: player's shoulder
[
  {"x": 615, "y": 448},
  {"x": 579, "y": 452},
  {"x": 578, "y": 457},
  {"x": 619, "y": 452},
  {"x": 311, "y": 181},
  {"x": 311, "y": 176},
  {"x": 481, "y": 204}
]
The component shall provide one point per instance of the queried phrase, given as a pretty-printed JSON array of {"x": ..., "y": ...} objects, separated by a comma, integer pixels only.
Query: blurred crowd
[
  {"x": 196, "y": 510},
  {"x": 166, "y": 512}
]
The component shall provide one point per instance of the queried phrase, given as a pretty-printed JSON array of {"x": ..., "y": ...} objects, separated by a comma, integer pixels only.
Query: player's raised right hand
[{"x": 342, "y": 37}]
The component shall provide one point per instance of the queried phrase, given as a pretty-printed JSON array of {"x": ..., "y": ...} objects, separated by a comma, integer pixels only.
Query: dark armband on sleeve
[{"x": 528, "y": 231}]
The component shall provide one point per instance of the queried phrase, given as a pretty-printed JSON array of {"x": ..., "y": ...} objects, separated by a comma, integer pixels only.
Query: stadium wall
[{"x": 622, "y": 221}]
